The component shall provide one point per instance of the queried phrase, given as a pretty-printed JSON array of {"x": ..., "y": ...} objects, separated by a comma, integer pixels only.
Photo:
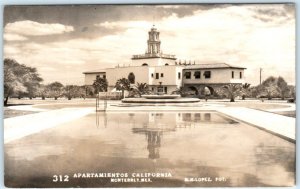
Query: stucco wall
[
  {"x": 152, "y": 62},
  {"x": 91, "y": 77},
  {"x": 169, "y": 75},
  {"x": 141, "y": 74},
  {"x": 217, "y": 76}
]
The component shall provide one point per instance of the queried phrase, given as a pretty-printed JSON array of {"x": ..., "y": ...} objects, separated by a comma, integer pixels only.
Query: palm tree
[
  {"x": 142, "y": 88},
  {"x": 245, "y": 90},
  {"x": 100, "y": 85},
  {"x": 123, "y": 84},
  {"x": 232, "y": 90},
  {"x": 179, "y": 91}
]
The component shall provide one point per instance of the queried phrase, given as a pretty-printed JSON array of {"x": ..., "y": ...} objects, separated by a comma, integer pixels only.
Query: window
[
  {"x": 162, "y": 75},
  {"x": 98, "y": 76},
  {"x": 166, "y": 64},
  {"x": 232, "y": 74},
  {"x": 152, "y": 75},
  {"x": 187, "y": 75},
  {"x": 144, "y": 64},
  {"x": 157, "y": 76},
  {"x": 240, "y": 75},
  {"x": 152, "y": 88},
  {"x": 207, "y": 74},
  {"x": 179, "y": 75},
  {"x": 197, "y": 74},
  {"x": 166, "y": 90},
  {"x": 104, "y": 76}
]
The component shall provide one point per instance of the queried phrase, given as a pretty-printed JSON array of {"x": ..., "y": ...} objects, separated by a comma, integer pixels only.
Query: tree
[
  {"x": 123, "y": 84},
  {"x": 42, "y": 91},
  {"x": 269, "y": 80},
  {"x": 34, "y": 83},
  {"x": 271, "y": 91},
  {"x": 74, "y": 91},
  {"x": 292, "y": 93},
  {"x": 81, "y": 91},
  {"x": 19, "y": 78},
  {"x": 142, "y": 88},
  {"x": 181, "y": 91},
  {"x": 71, "y": 91},
  {"x": 100, "y": 85},
  {"x": 269, "y": 88},
  {"x": 55, "y": 89},
  {"x": 232, "y": 91},
  {"x": 245, "y": 90},
  {"x": 139, "y": 89},
  {"x": 89, "y": 90},
  {"x": 282, "y": 87}
]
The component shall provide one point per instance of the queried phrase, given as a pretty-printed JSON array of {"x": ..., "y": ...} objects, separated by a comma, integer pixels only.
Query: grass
[
  {"x": 287, "y": 113},
  {"x": 14, "y": 113},
  {"x": 256, "y": 104}
]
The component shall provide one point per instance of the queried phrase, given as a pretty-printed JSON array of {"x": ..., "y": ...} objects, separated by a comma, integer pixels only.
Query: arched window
[
  {"x": 144, "y": 64},
  {"x": 166, "y": 64}
]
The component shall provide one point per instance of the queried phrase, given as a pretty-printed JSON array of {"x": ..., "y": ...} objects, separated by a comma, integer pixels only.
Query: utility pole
[{"x": 260, "y": 70}]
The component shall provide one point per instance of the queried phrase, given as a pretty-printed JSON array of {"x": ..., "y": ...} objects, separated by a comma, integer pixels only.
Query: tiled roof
[
  {"x": 95, "y": 71},
  {"x": 212, "y": 66}
]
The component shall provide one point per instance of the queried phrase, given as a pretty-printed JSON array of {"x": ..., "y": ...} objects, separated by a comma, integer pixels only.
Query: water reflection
[
  {"x": 187, "y": 144},
  {"x": 153, "y": 129},
  {"x": 178, "y": 120},
  {"x": 154, "y": 124},
  {"x": 104, "y": 114}
]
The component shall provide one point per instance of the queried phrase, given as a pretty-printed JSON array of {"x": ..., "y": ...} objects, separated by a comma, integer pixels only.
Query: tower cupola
[{"x": 153, "y": 41}]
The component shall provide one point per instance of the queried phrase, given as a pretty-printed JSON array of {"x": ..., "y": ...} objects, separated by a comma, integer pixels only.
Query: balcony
[{"x": 156, "y": 55}]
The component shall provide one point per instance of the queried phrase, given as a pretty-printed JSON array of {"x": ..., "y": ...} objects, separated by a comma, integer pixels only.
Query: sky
[{"x": 64, "y": 41}]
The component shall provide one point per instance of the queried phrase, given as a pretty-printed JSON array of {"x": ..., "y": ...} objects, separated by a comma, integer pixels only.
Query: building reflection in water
[
  {"x": 154, "y": 125},
  {"x": 207, "y": 117},
  {"x": 154, "y": 138}
]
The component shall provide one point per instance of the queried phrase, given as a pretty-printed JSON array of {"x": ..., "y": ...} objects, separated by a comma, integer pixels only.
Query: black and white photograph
[{"x": 149, "y": 95}]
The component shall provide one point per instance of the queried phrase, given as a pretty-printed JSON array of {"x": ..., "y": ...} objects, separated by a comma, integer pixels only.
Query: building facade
[{"x": 164, "y": 74}]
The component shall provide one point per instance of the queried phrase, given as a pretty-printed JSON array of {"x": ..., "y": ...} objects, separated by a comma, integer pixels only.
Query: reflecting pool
[{"x": 172, "y": 149}]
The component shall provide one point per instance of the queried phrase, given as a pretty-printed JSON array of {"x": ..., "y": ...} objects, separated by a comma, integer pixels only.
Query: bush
[{"x": 291, "y": 100}]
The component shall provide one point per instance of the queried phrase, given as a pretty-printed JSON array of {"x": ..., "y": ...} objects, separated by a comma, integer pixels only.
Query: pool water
[{"x": 185, "y": 145}]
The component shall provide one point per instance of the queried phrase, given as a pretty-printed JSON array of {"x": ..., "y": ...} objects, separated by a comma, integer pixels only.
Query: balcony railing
[{"x": 157, "y": 55}]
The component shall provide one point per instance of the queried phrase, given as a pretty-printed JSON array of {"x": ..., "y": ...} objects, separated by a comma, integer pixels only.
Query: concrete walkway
[
  {"x": 21, "y": 126},
  {"x": 282, "y": 126},
  {"x": 26, "y": 108}
]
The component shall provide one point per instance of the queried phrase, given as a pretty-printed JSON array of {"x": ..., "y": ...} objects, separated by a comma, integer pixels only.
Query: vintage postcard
[{"x": 176, "y": 95}]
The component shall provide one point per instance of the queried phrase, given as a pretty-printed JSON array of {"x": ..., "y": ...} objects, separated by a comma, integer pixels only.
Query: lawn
[{"x": 14, "y": 113}]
